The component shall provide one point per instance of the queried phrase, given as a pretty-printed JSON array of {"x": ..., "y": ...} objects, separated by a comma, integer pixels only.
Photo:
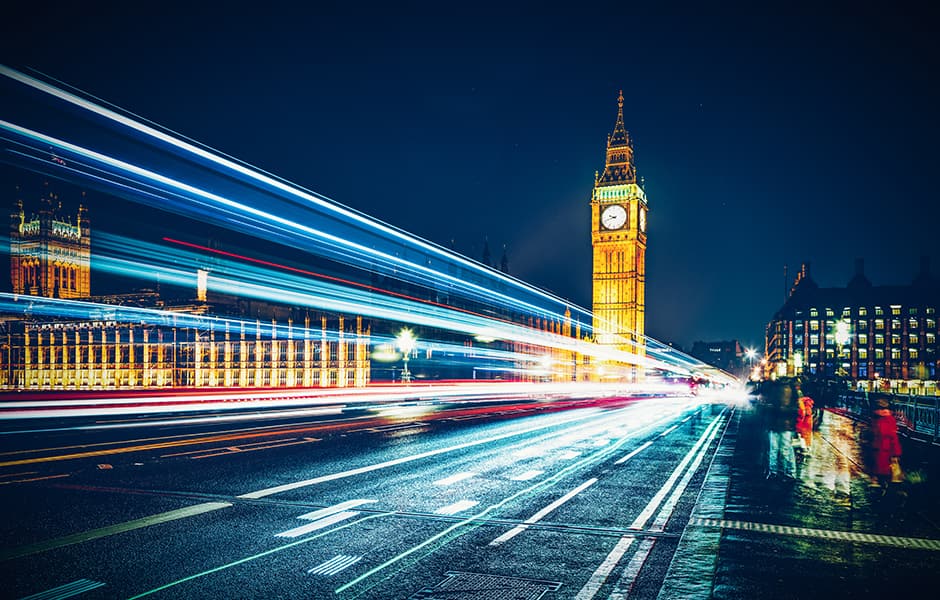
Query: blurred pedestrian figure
[
  {"x": 780, "y": 422},
  {"x": 885, "y": 448},
  {"x": 804, "y": 420}
]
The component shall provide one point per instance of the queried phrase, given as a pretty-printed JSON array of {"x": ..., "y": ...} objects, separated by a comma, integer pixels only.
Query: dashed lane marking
[
  {"x": 842, "y": 536},
  {"x": 634, "y": 453},
  {"x": 67, "y": 591},
  {"x": 456, "y": 507},
  {"x": 526, "y": 476},
  {"x": 318, "y": 524},
  {"x": 455, "y": 478},
  {"x": 540, "y": 514}
]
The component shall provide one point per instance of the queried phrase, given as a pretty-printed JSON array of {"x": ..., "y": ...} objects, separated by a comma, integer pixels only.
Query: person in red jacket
[{"x": 885, "y": 446}]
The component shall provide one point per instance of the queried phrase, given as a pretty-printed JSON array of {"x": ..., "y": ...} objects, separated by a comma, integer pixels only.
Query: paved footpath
[{"x": 824, "y": 534}]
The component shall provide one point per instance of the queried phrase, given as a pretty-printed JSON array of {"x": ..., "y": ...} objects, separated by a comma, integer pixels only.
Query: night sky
[{"x": 762, "y": 142}]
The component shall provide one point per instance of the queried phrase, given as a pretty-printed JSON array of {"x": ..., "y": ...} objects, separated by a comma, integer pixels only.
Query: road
[{"x": 532, "y": 499}]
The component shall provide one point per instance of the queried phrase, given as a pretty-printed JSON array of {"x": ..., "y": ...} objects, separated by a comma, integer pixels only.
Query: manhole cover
[{"x": 480, "y": 586}]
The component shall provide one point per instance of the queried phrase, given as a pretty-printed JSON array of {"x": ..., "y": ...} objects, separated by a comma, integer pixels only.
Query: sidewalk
[{"x": 826, "y": 533}]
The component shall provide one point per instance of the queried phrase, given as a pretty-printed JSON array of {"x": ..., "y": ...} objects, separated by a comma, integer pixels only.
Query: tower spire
[{"x": 619, "y": 166}]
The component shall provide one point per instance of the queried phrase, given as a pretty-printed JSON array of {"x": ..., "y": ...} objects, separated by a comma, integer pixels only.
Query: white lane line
[
  {"x": 569, "y": 455},
  {"x": 85, "y": 536},
  {"x": 66, "y": 591},
  {"x": 603, "y": 571},
  {"x": 318, "y": 524},
  {"x": 529, "y": 452},
  {"x": 628, "y": 577},
  {"x": 455, "y": 478},
  {"x": 456, "y": 507},
  {"x": 325, "y": 512},
  {"x": 634, "y": 453},
  {"x": 338, "y": 563},
  {"x": 538, "y": 516},
  {"x": 526, "y": 476},
  {"x": 406, "y": 459},
  {"x": 668, "y": 431}
]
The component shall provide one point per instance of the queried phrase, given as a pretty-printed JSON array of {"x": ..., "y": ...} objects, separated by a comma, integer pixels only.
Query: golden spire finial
[{"x": 620, "y": 100}]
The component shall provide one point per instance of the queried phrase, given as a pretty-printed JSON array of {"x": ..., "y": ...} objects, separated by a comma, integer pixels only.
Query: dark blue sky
[{"x": 763, "y": 142}]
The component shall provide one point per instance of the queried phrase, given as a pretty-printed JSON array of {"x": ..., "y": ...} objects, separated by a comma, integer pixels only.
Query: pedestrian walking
[
  {"x": 804, "y": 421},
  {"x": 780, "y": 423},
  {"x": 884, "y": 445}
]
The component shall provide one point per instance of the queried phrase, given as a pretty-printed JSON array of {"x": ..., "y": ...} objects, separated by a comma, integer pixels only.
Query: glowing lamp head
[{"x": 406, "y": 341}]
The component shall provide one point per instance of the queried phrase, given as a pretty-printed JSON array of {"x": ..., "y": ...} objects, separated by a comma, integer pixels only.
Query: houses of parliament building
[{"x": 277, "y": 346}]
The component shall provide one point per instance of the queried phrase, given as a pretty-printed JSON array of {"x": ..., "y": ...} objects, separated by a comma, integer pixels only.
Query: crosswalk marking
[
  {"x": 338, "y": 563},
  {"x": 67, "y": 591},
  {"x": 851, "y": 536}
]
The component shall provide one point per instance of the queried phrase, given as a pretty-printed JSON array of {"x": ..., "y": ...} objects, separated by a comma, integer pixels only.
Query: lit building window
[
  {"x": 931, "y": 310},
  {"x": 913, "y": 353},
  {"x": 862, "y": 324},
  {"x": 912, "y": 323},
  {"x": 829, "y": 339},
  {"x": 895, "y": 354},
  {"x": 879, "y": 339},
  {"x": 830, "y": 312},
  {"x": 913, "y": 338},
  {"x": 863, "y": 338},
  {"x": 879, "y": 311},
  {"x": 862, "y": 353},
  {"x": 813, "y": 312},
  {"x": 895, "y": 339},
  {"x": 895, "y": 324},
  {"x": 846, "y": 312},
  {"x": 912, "y": 311},
  {"x": 814, "y": 340},
  {"x": 931, "y": 324},
  {"x": 895, "y": 309},
  {"x": 931, "y": 338},
  {"x": 879, "y": 354},
  {"x": 813, "y": 351},
  {"x": 862, "y": 311},
  {"x": 814, "y": 325},
  {"x": 879, "y": 323}
]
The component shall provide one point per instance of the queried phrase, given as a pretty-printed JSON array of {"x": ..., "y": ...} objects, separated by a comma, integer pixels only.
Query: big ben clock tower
[{"x": 618, "y": 237}]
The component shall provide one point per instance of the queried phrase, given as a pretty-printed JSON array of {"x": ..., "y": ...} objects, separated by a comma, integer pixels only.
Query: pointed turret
[{"x": 619, "y": 167}]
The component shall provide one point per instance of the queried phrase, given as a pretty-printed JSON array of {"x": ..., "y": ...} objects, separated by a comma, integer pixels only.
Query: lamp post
[
  {"x": 750, "y": 353},
  {"x": 406, "y": 342}
]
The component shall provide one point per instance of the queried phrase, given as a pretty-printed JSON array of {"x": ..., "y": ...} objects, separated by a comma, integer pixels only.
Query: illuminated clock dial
[
  {"x": 613, "y": 217},
  {"x": 642, "y": 220}
]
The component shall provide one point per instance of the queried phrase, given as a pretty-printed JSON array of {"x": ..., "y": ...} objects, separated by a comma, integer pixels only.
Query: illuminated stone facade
[
  {"x": 49, "y": 253},
  {"x": 257, "y": 345},
  {"x": 875, "y": 337},
  {"x": 618, "y": 238},
  {"x": 68, "y": 354}
]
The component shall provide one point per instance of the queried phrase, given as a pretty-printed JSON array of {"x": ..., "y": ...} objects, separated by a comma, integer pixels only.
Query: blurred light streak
[{"x": 279, "y": 198}]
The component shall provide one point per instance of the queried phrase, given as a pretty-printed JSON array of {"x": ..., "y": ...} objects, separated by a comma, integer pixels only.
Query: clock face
[
  {"x": 613, "y": 217},
  {"x": 642, "y": 220}
]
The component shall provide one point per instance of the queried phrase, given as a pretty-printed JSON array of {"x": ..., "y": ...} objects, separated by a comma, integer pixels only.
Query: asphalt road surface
[{"x": 528, "y": 500}]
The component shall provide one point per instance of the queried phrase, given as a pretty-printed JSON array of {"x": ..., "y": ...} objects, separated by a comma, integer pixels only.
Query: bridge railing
[{"x": 919, "y": 415}]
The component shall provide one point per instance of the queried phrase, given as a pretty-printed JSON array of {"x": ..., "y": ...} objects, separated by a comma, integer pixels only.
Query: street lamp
[
  {"x": 406, "y": 342},
  {"x": 750, "y": 353}
]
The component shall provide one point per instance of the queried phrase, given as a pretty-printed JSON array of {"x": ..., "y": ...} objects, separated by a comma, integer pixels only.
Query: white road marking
[
  {"x": 538, "y": 516},
  {"x": 845, "y": 536},
  {"x": 455, "y": 478},
  {"x": 526, "y": 476},
  {"x": 67, "y": 591},
  {"x": 456, "y": 507},
  {"x": 668, "y": 431},
  {"x": 603, "y": 571},
  {"x": 569, "y": 455},
  {"x": 325, "y": 512},
  {"x": 406, "y": 459},
  {"x": 634, "y": 453},
  {"x": 318, "y": 524},
  {"x": 338, "y": 563}
]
